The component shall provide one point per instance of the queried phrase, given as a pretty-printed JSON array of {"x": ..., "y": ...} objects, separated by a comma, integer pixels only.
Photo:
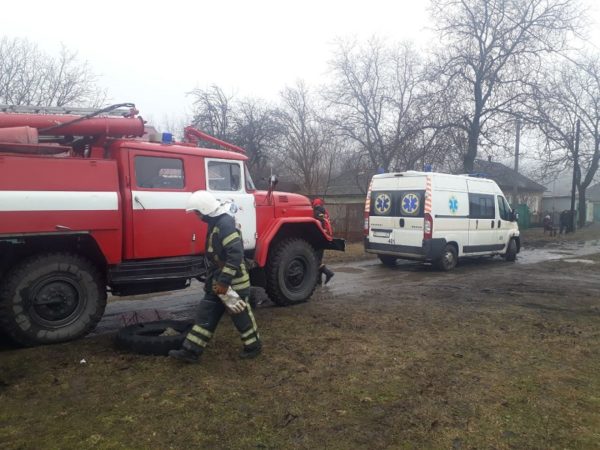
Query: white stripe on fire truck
[
  {"x": 58, "y": 201},
  {"x": 159, "y": 200}
]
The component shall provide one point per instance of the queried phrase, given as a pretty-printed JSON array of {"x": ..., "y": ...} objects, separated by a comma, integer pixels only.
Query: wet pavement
[
  {"x": 558, "y": 250},
  {"x": 363, "y": 277}
]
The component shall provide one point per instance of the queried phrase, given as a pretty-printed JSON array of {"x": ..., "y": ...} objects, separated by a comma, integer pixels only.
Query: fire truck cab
[{"x": 88, "y": 206}]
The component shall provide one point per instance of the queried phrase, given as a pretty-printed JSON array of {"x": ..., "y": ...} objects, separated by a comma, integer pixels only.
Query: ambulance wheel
[
  {"x": 511, "y": 251},
  {"x": 387, "y": 260},
  {"x": 291, "y": 272},
  {"x": 448, "y": 260},
  {"x": 51, "y": 298}
]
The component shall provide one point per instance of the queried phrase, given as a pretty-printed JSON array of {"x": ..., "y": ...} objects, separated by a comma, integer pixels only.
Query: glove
[
  {"x": 232, "y": 301},
  {"x": 220, "y": 288}
]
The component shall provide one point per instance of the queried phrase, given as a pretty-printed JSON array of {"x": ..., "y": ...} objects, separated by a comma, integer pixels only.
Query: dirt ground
[{"x": 491, "y": 355}]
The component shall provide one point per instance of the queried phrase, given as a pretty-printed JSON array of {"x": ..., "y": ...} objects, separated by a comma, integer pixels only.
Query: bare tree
[
  {"x": 307, "y": 146},
  {"x": 213, "y": 111},
  {"x": 569, "y": 95},
  {"x": 377, "y": 96},
  {"x": 249, "y": 123},
  {"x": 256, "y": 131},
  {"x": 491, "y": 48},
  {"x": 29, "y": 76}
]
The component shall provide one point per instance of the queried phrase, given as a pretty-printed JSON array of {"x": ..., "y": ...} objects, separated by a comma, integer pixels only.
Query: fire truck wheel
[
  {"x": 153, "y": 338},
  {"x": 51, "y": 298},
  {"x": 291, "y": 272}
]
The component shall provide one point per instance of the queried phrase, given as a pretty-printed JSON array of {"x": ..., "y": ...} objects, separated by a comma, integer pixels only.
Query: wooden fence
[{"x": 347, "y": 220}]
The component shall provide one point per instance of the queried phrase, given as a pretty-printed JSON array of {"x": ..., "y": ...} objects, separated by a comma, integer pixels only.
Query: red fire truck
[{"x": 90, "y": 205}]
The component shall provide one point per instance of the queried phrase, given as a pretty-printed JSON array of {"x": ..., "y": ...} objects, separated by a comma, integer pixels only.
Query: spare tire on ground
[{"x": 153, "y": 338}]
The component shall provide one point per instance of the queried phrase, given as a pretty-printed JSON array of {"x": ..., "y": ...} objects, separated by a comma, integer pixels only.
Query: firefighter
[
  {"x": 322, "y": 216},
  {"x": 227, "y": 285}
]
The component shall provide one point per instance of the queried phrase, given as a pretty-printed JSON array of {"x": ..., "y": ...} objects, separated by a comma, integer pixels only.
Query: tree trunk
[{"x": 469, "y": 158}]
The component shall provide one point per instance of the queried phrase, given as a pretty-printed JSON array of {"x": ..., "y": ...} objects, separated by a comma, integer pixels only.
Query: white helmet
[{"x": 203, "y": 202}]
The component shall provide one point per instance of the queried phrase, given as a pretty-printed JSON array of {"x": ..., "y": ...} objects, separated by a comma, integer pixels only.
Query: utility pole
[
  {"x": 517, "y": 144},
  {"x": 571, "y": 226}
]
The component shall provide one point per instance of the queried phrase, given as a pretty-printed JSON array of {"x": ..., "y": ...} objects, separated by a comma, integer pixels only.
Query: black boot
[
  {"x": 251, "y": 351},
  {"x": 328, "y": 274},
  {"x": 184, "y": 354},
  {"x": 320, "y": 277}
]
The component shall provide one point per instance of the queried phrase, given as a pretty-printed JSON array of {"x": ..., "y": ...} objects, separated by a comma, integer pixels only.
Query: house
[
  {"x": 345, "y": 199},
  {"x": 593, "y": 198},
  {"x": 348, "y": 187},
  {"x": 517, "y": 188},
  {"x": 557, "y": 198}
]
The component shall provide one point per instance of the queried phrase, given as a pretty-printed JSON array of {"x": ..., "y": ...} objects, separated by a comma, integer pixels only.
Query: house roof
[
  {"x": 559, "y": 185},
  {"x": 506, "y": 177},
  {"x": 349, "y": 183},
  {"x": 593, "y": 193}
]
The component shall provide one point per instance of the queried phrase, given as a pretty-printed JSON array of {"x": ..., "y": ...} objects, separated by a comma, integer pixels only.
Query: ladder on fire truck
[{"x": 62, "y": 110}]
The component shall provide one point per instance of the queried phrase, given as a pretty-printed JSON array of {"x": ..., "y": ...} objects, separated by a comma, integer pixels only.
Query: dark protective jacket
[{"x": 225, "y": 255}]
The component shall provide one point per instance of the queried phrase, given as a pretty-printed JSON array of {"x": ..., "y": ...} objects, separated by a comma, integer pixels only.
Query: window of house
[
  {"x": 224, "y": 176},
  {"x": 159, "y": 173}
]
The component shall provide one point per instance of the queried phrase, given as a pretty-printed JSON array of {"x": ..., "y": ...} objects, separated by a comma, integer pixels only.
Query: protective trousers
[{"x": 210, "y": 311}]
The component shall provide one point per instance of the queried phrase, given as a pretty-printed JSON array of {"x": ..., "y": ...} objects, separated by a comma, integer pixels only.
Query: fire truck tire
[
  {"x": 51, "y": 298},
  {"x": 148, "y": 339},
  {"x": 291, "y": 272}
]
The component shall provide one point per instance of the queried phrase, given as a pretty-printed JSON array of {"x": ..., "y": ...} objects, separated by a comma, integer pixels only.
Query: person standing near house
[
  {"x": 548, "y": 225},
  {"x": 227, "y": 285},
  {"x": 321, "y": 214}
]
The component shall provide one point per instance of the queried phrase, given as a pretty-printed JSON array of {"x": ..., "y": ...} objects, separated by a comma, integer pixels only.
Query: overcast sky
[{"x": 152, "y": 53}]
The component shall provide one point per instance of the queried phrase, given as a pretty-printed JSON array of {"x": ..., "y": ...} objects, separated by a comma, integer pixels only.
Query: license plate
[{"x": 381, "y": 234}]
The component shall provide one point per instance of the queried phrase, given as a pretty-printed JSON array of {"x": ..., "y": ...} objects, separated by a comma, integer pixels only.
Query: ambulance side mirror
[{"x": 514, "y": 216}]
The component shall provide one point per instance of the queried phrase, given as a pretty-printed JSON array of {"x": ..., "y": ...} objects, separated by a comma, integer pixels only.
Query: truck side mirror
[{"x": 273, "y": 181}]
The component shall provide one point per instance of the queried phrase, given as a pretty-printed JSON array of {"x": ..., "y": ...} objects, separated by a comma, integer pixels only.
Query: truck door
[
  {"x": 161, "y": 227},
  {"x": 226, "y": 180}
]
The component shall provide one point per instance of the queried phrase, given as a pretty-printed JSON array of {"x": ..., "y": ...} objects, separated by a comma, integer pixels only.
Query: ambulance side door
[
  {"x": 505, "y": 226},
  {"x": 482, "y": 223}
]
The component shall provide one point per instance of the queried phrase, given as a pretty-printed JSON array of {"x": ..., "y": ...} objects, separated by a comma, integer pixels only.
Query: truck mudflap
[
  {"x": 336, "y": 244},
  {"x": 431, "y": 250}
]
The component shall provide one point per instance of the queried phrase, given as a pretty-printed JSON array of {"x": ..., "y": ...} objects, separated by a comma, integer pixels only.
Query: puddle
[
  {"x": 565, "y": 250},
  {"x": 349, "y": 270},
  {"x": 582, "y": 261}
]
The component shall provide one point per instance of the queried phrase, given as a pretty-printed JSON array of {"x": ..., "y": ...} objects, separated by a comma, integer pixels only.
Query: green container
[{"x": 524, "y": 216}]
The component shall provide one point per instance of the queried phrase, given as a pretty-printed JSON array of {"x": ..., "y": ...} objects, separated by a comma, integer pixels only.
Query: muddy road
[{"x": 353, "y": 281}]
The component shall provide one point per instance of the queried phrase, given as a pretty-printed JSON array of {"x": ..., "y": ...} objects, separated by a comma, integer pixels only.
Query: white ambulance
[{"x": 438, "y": 218}]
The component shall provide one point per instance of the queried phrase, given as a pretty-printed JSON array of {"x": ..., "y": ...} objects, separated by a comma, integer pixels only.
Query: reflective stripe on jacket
[{"x": 225, "y": 255}]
